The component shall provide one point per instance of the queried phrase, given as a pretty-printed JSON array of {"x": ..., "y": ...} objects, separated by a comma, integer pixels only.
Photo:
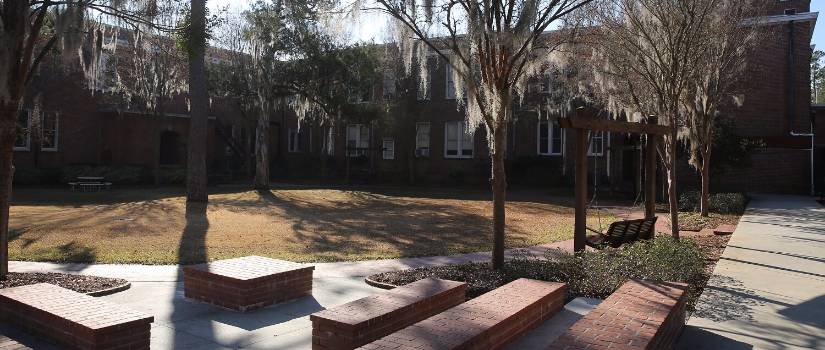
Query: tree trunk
[
  {"x": 262, "y": 152},
  {"x": 499, "y": 185},
  {"x": 8, "y": 132},
  {"x": 672, "y": 195},
  {"x": 704, "y": 204},
  {"x": 196, "y": 177}
]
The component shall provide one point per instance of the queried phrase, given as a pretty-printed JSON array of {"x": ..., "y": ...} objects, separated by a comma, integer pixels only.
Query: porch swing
[{"x": 619, "y": 232}]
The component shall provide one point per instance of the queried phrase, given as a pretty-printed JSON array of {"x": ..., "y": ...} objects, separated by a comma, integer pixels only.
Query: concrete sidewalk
[
  {"x": 181, "y": 323},
  {"x": 768, "y": 289}
]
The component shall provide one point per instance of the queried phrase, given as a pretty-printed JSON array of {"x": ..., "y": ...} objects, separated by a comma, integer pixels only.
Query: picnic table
[{"x": 90, "y": 183}]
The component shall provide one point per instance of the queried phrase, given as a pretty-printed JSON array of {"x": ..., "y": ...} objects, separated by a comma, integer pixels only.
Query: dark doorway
[{"x": 169, "y": 148}]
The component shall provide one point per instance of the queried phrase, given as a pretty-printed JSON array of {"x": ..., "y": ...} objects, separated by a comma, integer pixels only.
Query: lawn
[{"x": 153, "y": 226}]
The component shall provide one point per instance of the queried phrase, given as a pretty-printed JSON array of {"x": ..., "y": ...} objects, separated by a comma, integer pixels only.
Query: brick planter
[
  {"x": 490, "y": 321},
  {"x": 639, "y": 315},
  {"x": 74, "y": 320},
  {"x": 247, "y": 283},
  {"x": 359, "y": 322}
]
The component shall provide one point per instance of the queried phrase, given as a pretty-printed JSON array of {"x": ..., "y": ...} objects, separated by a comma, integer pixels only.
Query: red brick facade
[
  {"x": 776, "y": 106},
  {"x": 247, "y": 283},
  {"x": 639, "y": 315},
  {"x": 74, "y": 320},
  {"x": 489, "y": 321},
  {"x": 351, "y": 325}
]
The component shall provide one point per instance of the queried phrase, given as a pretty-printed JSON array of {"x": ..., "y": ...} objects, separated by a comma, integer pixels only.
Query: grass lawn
[{"x": 153, "y": 226}]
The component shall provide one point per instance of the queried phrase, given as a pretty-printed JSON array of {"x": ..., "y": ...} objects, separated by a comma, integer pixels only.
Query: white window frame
[
  {"x": 294, "y": 140},
  {"x": 551, "y": 136},
  {"x": 388, "y": 88},
  {"x": 420, "y": 145},
  {"x": 330, "y": 142},
  {"x": 449, "y": 85},
  {"x": 56, "y": 132},
  {"x": 460, "y": 144},
  {"x": 358, "y": 140},
  {"x": 28, "y": 131},
  {"x": 388, "y": 145},
  {"x": 593, "y": 136}
]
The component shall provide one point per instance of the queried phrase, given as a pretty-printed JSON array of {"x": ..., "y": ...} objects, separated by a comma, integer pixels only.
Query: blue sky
[{"x": 819, "y": 33}]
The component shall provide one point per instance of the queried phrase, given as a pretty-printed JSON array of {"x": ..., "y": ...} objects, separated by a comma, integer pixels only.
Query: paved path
[
  {"x": 768, "y": 289},
  {"x": 184, "y": 324}
]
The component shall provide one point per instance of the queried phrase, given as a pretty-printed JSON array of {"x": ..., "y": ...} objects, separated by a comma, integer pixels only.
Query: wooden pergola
[{"x": 583, "y": 122}]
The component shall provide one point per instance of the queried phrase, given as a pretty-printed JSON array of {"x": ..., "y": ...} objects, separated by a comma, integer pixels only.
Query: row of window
[
  {"x": 49, "y": 131},
  {"x": 458, "y": 141}
]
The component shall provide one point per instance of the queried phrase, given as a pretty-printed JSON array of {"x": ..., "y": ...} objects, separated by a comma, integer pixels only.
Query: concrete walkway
[
  {"x": 768, "y": 289},
  {"x": 184, "y": 324}
]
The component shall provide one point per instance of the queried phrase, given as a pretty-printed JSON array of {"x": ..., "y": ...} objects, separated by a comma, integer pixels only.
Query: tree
[
  {"x": 818, "y": 77},
  {"x": 31, "y": 29},
  {"x": 196, "y": 177},
  {"x": 646, "y": 53},
  {"x": 717, "y": 82},
  {"x": 493, "y": 48},
  {"x": 314, "y": 82}
]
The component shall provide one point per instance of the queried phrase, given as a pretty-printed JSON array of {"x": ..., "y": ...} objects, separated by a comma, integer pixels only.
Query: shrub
[
  {"x": 722, "y": 203},
  {"x": 119, "y": 175},
  {"x": 36, "y": 176},
  {"x": 172, "y": 176},
  {"x": 587, "y": 274}
]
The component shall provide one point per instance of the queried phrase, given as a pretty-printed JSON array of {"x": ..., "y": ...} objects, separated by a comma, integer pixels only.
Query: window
[
  {"x": 388, "y": 148},
  {"x": 596, "y": 143},
  {"x": 449, "y": 88},
  {"x": 422, "y": 139},
  {"x": 550, "y": 138},
  {"x": 329, "y": 148},
  {"x": 23, "y": 141},
  {"x": 358, "y": 140},
  {"x": 49, "y": 129},
  {"x": 458, "y": 143},
  {"x": 425, "y": 87},
  {"x": 362, "y": 94},
  {"x": 388, "y": 86},
  {"x": 294, "y": 140}
]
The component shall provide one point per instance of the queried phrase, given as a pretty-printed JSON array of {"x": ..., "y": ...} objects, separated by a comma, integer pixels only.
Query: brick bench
[
  {"x": 74, "y": 320},
  {"x": 247, "y": 283},
  {"x": 359, "y": 322},
  {"x": 488, "y": 322},
  {"x": 639, "y": 315}
]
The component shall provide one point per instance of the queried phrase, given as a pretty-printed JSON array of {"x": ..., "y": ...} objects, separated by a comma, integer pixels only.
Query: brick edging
[{"x": 110, "y": 291}]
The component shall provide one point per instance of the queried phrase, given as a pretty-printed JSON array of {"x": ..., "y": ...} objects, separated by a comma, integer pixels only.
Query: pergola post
[{"x": 579, "y": 231}]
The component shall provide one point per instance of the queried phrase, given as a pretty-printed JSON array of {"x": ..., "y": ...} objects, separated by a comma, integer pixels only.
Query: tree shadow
[
  {"x": 725, "y": 298},
  {"x": 191, "y": 249},
  {"x": 695, "y": 338},
  {"x": 810, "y": 312}
]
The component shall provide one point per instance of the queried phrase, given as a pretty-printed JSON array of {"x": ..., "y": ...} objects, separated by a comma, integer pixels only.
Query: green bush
[
  {"x": 721, "y": 203},
  {"x": 587, "y": 274},
  {"x": 119, "y": 175},
  {"x": 29, "y": 177},
  {"x": 172, "y": 176}
]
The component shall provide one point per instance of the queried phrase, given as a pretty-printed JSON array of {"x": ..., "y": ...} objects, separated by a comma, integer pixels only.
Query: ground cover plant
[
  {"x": 77, "y": 283},
  {"x": 304, "y": 224},
  {"x": 594, "y": 274}
]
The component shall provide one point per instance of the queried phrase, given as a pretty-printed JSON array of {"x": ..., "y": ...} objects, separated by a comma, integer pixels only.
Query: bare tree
[
  {"x": 29, "y": 30},
  {"x": 492, "y": 48},
  {"x": 717, "y": 81},
  {"x": 646, "y": 54}
]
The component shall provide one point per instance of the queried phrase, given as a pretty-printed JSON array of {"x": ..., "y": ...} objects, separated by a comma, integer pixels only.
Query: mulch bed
[{"x": 77, "y": 283}]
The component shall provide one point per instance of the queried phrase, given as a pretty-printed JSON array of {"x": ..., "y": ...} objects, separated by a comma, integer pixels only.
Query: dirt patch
[{"x": 77, "y": 283}]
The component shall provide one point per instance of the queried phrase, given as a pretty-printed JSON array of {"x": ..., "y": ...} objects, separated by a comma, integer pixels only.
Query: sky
[
  {"x": 819, "y": 32},
  {"x": 370, "y": 29}
]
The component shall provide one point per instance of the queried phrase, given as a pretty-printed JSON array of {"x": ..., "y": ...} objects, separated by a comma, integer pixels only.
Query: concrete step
[{"x": 545, "y": 334}]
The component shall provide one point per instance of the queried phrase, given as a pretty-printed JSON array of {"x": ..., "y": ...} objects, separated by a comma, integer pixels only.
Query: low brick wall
[
  {"x": 247, "y": 283},
  {"x": 487, "y": 322},
  {"x": 75, "y": 320},
  {"x": 639, "y": 315},
  {"x": 359, "y": 322}
]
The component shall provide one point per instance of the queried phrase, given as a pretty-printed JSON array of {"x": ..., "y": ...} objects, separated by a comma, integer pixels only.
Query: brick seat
[
  {"x": 639, "y": 315},
  {"x": 74, "y": 320},
  {"x": 488, "y": 322},
  {"x": 247, "y": 283},
  {"x": 359, "y": 322}
]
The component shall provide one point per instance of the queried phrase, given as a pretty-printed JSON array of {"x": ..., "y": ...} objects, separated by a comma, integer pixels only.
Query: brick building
[{"x": 423, "y": 140}]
